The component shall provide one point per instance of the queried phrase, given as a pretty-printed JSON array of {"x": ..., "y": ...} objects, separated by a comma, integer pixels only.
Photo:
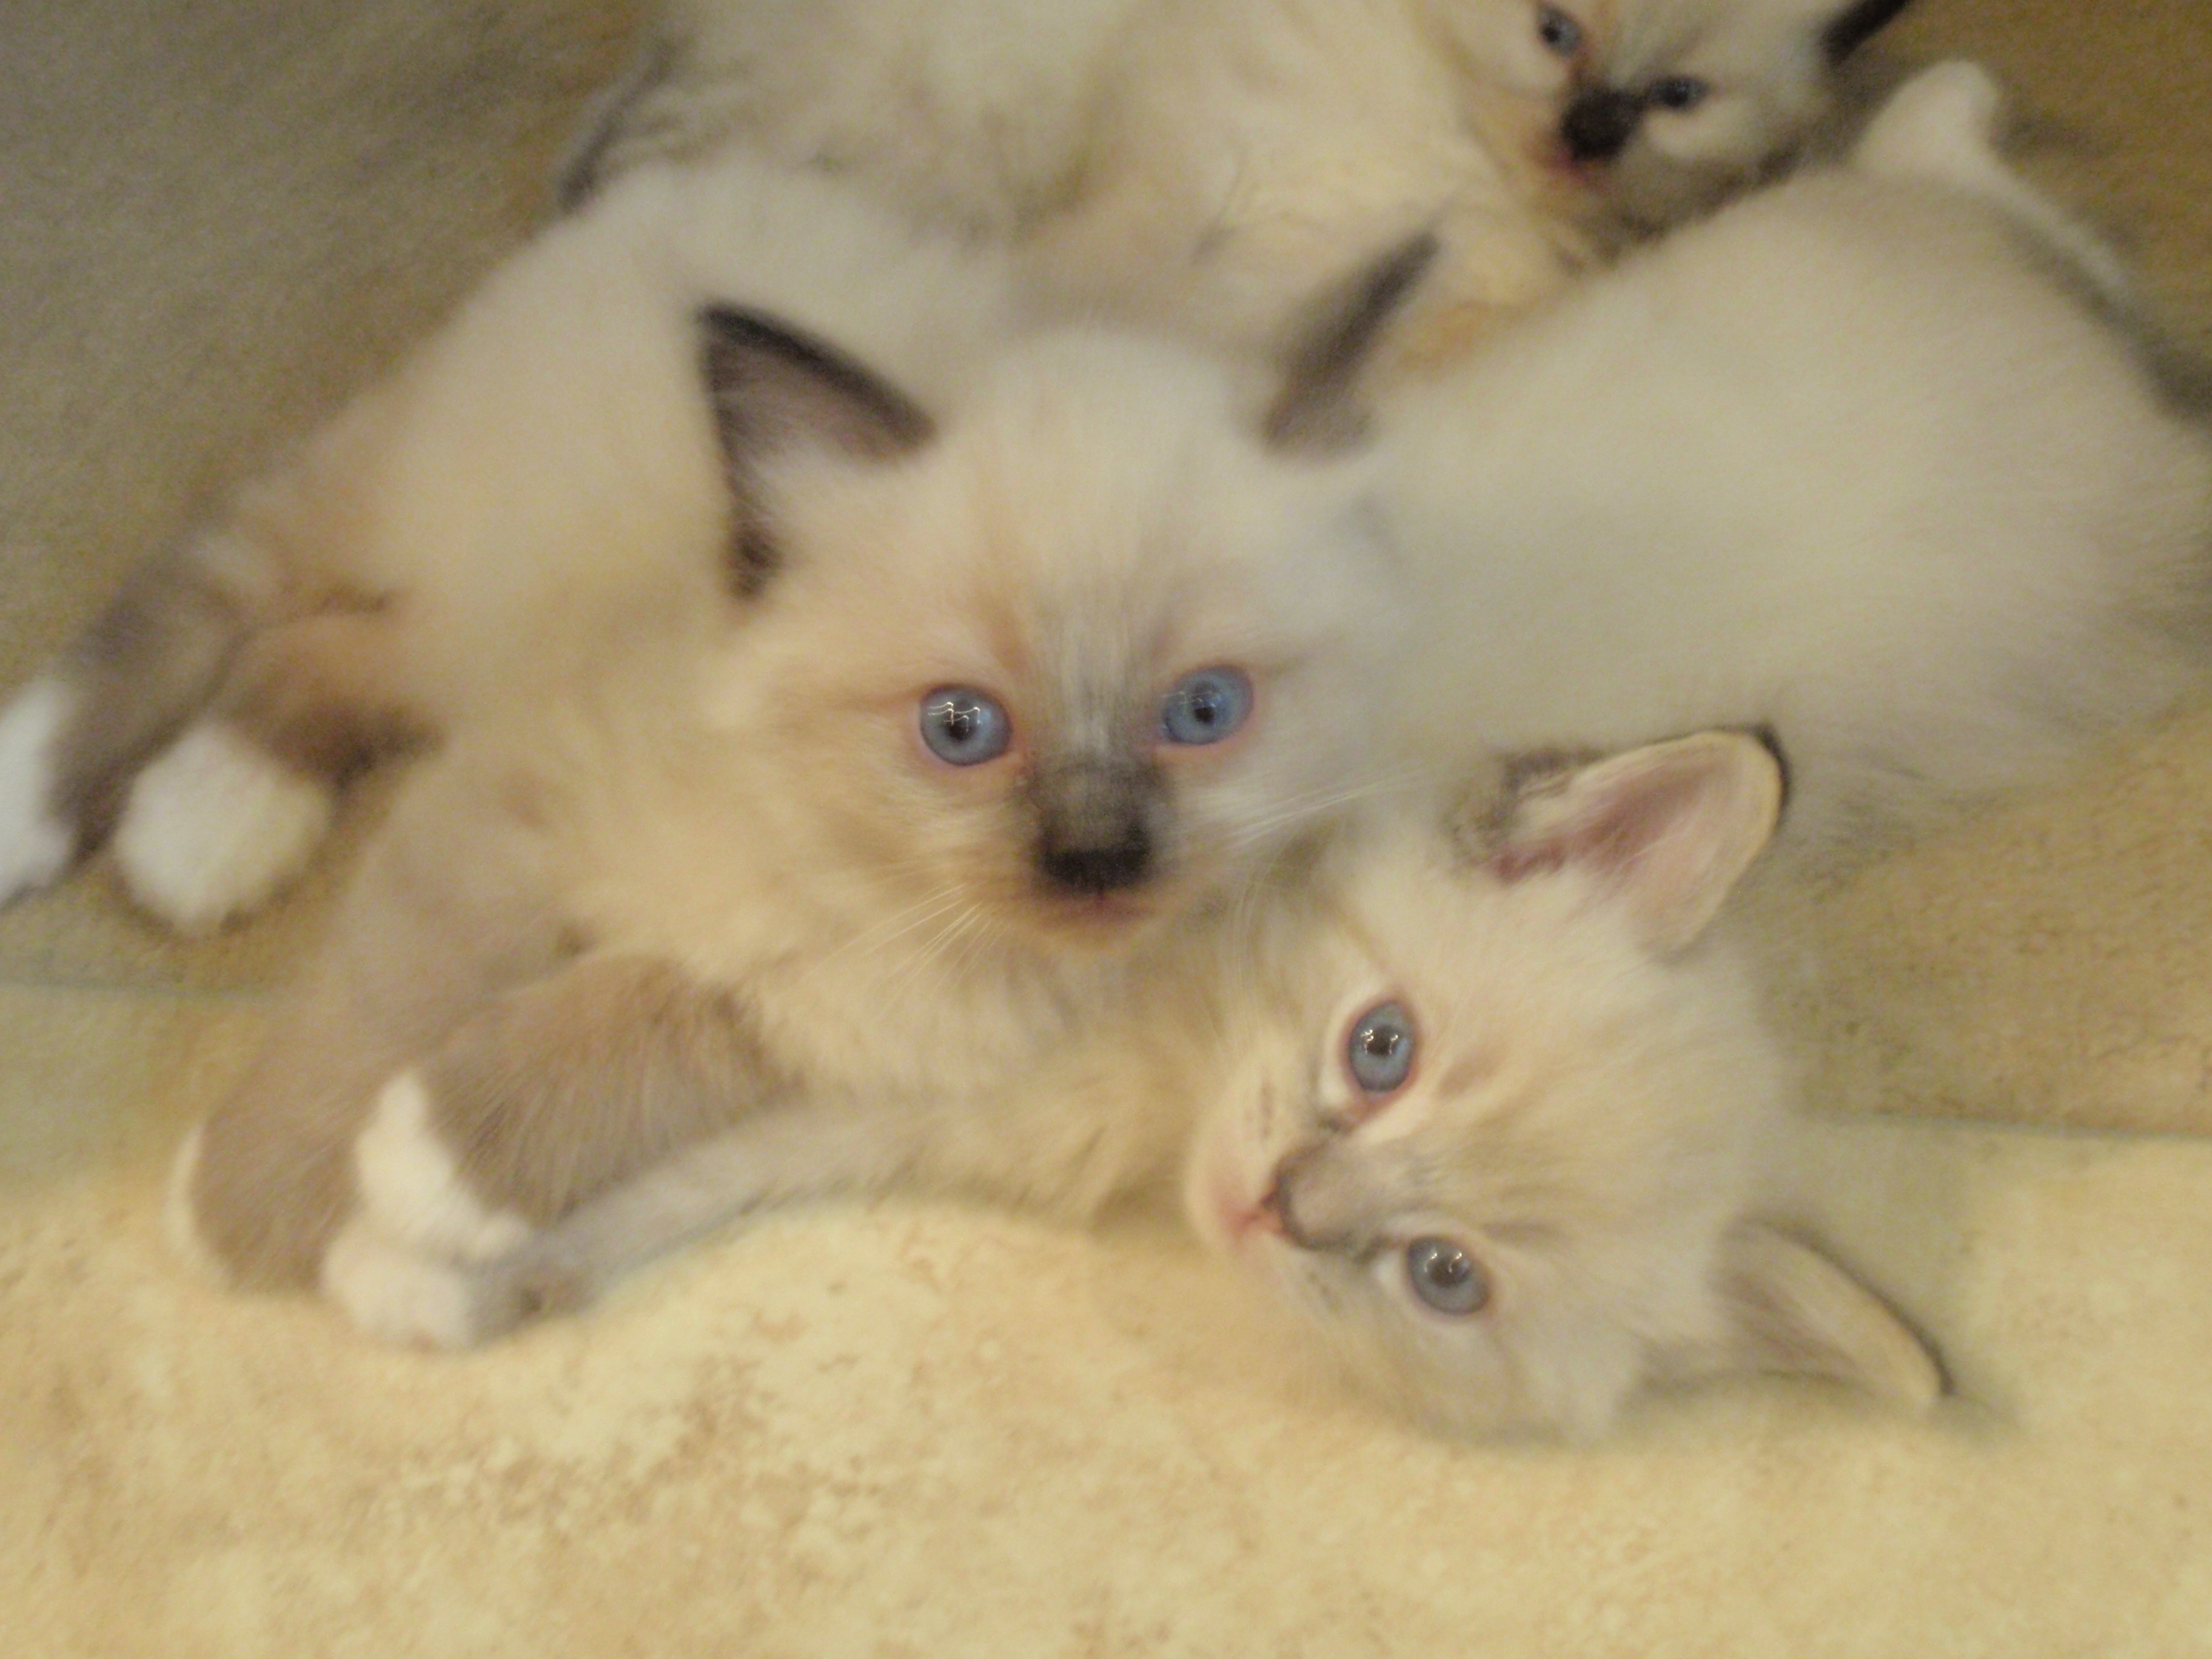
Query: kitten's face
[
  {"x": 1668, "y": 105},
  {"x": 1071, "y": 666},
  {"x": 1501, "y": 1238},
  {"x": 1494, "y": 1133}
]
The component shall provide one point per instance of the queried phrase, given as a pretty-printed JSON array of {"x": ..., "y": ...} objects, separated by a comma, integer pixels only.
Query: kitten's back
[{"x": 1847, "y": 461}]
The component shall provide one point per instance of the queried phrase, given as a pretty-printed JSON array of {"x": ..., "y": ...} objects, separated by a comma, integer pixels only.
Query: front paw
[
  {"x": 411, "y": 1187},
  {"x": 415, "y": 1299},
  {"x": 405, "y": 1296}
]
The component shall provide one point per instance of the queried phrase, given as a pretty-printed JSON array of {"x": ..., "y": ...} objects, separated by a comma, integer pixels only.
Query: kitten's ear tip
[
  {"x": 1792, "y": 1310},
  {"x": 1318, "y": 411},
  {"x": 1859, "y": 23}
]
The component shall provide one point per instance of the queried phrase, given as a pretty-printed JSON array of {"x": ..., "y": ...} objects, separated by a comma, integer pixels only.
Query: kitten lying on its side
[
  {"x": 1487, "y": 1109},
  {"x": 1209, "y": 165},
  {"x": 1876, "y": 459},
  {"x": 544, "y": 464}
]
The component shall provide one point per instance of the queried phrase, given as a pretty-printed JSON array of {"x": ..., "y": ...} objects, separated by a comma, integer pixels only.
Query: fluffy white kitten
[
  {"x": 1875, "y": 460},
  {"x": 547, "y": 462},
  {"x": 1210, "y": 165}
]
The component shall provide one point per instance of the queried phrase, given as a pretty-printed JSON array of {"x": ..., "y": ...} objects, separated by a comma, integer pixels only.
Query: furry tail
[{"x": 206, "y": 719}]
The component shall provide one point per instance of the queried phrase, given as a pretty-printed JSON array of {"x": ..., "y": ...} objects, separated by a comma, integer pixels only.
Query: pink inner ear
[
  {"x": 1609, "y": 834},
  {"x": 1666, "y": 830}
]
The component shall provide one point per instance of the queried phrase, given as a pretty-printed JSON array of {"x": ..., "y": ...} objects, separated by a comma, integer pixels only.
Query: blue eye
[
  {"x": 1446, "y": 1276},
  {"x": 1559, "y": 31},
  {"x": 1678, "y": 92},
  {"x": 964, "y": 727},
  {"x": 1206, "y": 706},
  {"x": 1380, "y": 1052}
]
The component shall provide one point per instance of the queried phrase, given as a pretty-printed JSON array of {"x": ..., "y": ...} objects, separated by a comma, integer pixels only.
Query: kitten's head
[
  {"x": 1499, "y": 1128},
  {"x": 1066, "y": 660},
  {"x": 1668, "y": 105}
]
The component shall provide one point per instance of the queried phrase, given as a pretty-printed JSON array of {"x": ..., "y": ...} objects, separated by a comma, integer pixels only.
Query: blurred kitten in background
[{"x": 1209, "y": 165}]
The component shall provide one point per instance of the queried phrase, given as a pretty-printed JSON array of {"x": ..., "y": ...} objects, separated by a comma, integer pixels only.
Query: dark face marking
[
  {"x": 1857, "y": 26},
  {"x": 1600, "y": 121},
  {"x": 1095, "y": 835}
]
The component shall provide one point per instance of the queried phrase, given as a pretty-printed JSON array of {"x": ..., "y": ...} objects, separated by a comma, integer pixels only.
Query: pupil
[
  {"x": 1447, "y": 1269},
  {"x": 1381, "y": 1041}
]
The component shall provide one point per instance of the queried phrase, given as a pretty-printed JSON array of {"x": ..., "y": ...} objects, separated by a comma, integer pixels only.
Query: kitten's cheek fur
[
  {"x": 216, "y": 827},
  {"x": 411, "y": 1186},
  {"x": 36, "y": 845}
]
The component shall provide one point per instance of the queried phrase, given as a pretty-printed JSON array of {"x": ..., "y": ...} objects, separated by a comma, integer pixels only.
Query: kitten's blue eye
[
  {"x": 964, "y": 727},
  {"x": 1206, "y": 706},
  {"x": 1559, "y": 31},
  {"x": 1380, "y": 1051},
  {"x": 1446, "y": 1276},
  {"x": 1678, "y": 92}
]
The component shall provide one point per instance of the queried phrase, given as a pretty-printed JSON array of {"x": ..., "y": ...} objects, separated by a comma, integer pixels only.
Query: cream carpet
[{"x": 925, "y": 1432}]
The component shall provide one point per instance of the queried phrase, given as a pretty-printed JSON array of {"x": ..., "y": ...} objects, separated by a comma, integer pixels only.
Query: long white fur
[{"x": 1847, "y": 459}]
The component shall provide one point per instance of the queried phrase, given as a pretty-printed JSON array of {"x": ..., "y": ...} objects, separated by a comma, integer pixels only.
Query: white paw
[
  {"x": 177, "y": 1220},
  {"x": 1941, "y": 124},
  {"x": 412, "y": 1188},
  {"x": 399, "y": 1295},
  {"x": 215, "y": 826},
  {"x": 35, "y": 845}
]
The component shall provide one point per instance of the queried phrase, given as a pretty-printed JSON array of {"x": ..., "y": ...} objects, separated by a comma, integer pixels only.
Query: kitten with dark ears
[
  {"x": 1025, "y": 696},
  {"x": 1207, "y": 166},
  {"x": 546, "y": 464}
]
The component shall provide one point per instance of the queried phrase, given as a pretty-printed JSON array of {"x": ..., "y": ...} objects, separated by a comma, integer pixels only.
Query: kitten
[
  {"x": 1492, "y": 1116},
  {"x": 1878, "y": 459},
  {"x": 547, "y": 461},
  {"x": 1019, "y": 697},
  {"x": 1208, "y": 165},
  {"x": 1507, "y": 1142}
]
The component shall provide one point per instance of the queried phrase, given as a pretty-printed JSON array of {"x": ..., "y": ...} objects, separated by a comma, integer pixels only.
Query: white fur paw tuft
[
  {"x": 412, "y": 1188},
  {"x": 35, "y": 845},
  {"x": 402, "y": 1296},
  {"x": 178, "y": 1221},
  {"x": 215, "y": 826}
]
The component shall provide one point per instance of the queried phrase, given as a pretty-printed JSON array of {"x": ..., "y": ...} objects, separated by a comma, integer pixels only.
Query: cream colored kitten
[
  {"x": 1507, "y": 1139},
  {"x": 1488, "y": 1111},
  {"x": 1876, "y": 460},
  {"x": 546, "y": 462},
  {"x": 1210, "y": 165},
  {"x": 1019, "y": 699}
]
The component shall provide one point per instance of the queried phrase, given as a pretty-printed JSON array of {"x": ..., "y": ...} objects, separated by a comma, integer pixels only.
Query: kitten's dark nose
[
  {"x": 1599, "y": 122},
  {"x": 1093, "y": 834},
  {"x": 1093, "y": 868}
]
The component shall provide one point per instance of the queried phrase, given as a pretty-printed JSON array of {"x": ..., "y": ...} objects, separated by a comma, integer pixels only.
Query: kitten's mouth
[{"x": 1096, "y": 917}]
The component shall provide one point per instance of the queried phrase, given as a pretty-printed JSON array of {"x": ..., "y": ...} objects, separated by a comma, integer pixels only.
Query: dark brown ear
[
  {"x": 1317, "y": 411},
  {"x": 1666, "y": 830},
  {"x": 1857, "y": 25},
  {"x": 772, "y": 389}
]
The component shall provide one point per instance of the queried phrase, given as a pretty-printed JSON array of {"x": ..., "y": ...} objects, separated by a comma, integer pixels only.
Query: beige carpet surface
[{"x": 925, "y": 1432}]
